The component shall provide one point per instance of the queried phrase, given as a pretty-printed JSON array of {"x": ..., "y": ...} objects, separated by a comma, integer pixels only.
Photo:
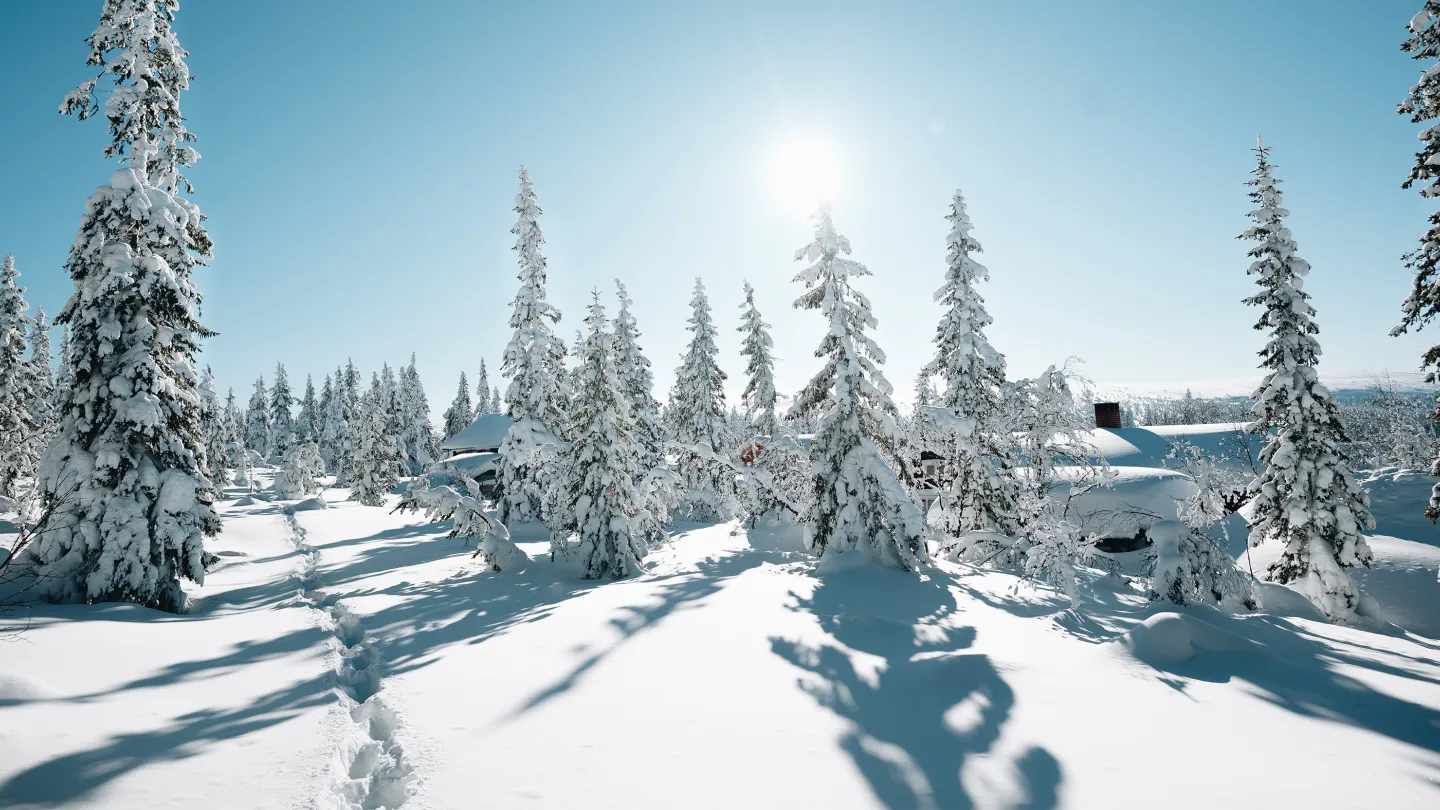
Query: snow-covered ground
[{"x": 348, "y": 657}]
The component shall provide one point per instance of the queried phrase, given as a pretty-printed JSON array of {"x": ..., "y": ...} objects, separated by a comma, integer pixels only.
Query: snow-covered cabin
[
  {"x": 484, "y": 435},
  {"x": 474, "y": 452}
]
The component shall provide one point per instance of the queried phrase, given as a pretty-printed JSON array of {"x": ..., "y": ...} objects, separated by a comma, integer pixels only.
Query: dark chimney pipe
[{"x": 1107, "y": 415}]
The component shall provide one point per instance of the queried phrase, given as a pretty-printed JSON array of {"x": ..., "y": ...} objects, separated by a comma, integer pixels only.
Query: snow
[
  {"x": 736, "y": 670},
  {"x": 1150, "y": 446},
  {"x": 484, "y": 434}
]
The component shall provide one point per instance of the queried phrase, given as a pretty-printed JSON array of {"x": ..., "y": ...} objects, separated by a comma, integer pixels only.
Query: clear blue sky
[{"x": 360, "y": 157}]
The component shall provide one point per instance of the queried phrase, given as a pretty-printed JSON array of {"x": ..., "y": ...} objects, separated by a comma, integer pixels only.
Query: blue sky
[{"x": 359, "y": 171}]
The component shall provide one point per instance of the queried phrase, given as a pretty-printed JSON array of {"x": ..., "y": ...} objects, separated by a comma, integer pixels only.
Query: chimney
[{"x": 1107, "y": 415}]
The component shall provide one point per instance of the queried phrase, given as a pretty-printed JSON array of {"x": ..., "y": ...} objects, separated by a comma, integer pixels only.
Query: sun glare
[{"x": 803, "y": 171}]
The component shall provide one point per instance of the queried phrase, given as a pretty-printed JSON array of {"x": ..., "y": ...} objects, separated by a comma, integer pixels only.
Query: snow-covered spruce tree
[
  {"x": 756, "y": 347},
  {"x": 637, "y": 384},
  {"x": 232, "y": 425},
  {"x": 601, "y": 462},
  {"x": 925, "y": 388},
  {"x": 396, "y": 422},
  {"x": 1306, "y": 497},
  {"x": 983, "y": 494},
  {"x": 859, "y": 500},
  {"x": 65, "y": 373},
  {"x": 534, "y": 362},
  {"x": 1422, "y": 105},
  {"x": 307, "y": 424},
  {"x": 17, "y": 396},
  {"x": 257, "y": 421},
  {"x": 346, "y": 429},
  {"x": 282, "y": 422},
  {"x": 482, "y": 392},
  {"x": 695, "y": 415},
  {"x": 42, "y": 384},
  {"x": 127, "y": 507},
  {"x": 459, "y": 414},
  {"x": 215, "y": 431},
  {"x": 496, "y": 406},
  {"x": 654, "y": 481},
  {"x": 418, "y": 437},
  {"x": 300, "y": 469},
  {"x": 377, "y": 459}
]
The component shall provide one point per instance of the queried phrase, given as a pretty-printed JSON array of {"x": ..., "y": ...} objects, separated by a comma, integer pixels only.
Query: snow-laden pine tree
[
  {"x": 534, "y": 362},
  {"x": 344, "y": 429},
  {"x": 307, "y": 424},
  {"x": 257, "y": 420},
  {"x": 127, "y": 506},
  {"x": 695, "y": 416},
  {"x": 1306, "y": 497},
  {"x": 65, "y": 373},
  {"x": 334, "y": 428},
  {"x": 232, "y": 425},
  {"x": 42, "y": 384},
  {"x": 459, "y": 414},
  {"x": 757, "y": 349},
  {"x": 602, "y": 462},
  {"x": 300, "y": 470},
  {"x": 496, "y": 406},
  {"x": 377, "y": 459},
  {"x": 17, "y": 394},
  {"x": 282, "y": 422},
  {"x": 482, "y": 392},
  {"x": 654, "y": 481},
  {"x": 418, "y": 438},
  {"x": 983, "y": 494},
  {"x": 1423, "y": 105},
  {"x": 216, "y": 432},
  {"x": 637, "y": 385},
  {"x": 859, "y": 500}
]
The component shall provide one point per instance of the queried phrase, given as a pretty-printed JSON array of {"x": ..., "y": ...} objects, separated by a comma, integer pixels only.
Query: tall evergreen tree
[
  {"x": 459, "y": 414},
  {"x": 65, "y": 374},
  {"x": 1423, "y": 105},
  {"x": 983, "y": 495},
  {"x": 42, "y": 382},
  {"x": 418, "y": 437},
  {"x": 695, "y": 415},
  {"x": 307, "y": 424},
  {"x": 496, "y": 406},
  {"x": 637, "y": 385},
  {"x": 534, "y": 363},
  {"x": 1306, "y": 497},
  {"x": 859, "y": 500},
  {"x": 377, "y": 458},
  {"x": 257, "y": 420},
  {"x": 216, "y": 432},
  {"x": 757, "y": 348},
  {"x": 482, "y": 392},
  {"x": 17, "y": 394},
  {"x": 282, "y": 422},
  {"x": 347, "y": 427},
  {"x": 232, "y": 422},
  {"x": 602, "y": 462},
  {"x": 128, "y": 507}
]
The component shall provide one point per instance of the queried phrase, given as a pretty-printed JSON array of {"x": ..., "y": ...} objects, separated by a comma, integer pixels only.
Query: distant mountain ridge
[{"x": 1345, "y": 385}]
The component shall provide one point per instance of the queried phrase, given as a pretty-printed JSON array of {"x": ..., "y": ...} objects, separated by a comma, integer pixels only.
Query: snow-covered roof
[
  {"x": 1133, "y": 498},
  {"x": 1149, "y": 446},
  {"x": 470, "y": 464},
  {"x": 484, "y": 434}
]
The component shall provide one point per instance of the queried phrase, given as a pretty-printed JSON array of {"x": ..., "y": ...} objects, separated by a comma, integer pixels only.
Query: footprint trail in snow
[{"x": 369, "y": 770}]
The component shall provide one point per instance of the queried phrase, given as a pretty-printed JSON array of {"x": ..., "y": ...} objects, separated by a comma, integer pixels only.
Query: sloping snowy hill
[{"x": 731, "y": 674}]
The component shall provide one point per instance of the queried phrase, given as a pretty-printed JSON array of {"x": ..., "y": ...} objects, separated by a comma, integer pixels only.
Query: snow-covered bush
[{"x": 492, "y": 539}]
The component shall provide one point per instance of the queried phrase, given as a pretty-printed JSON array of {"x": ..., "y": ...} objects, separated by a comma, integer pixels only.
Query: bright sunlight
[{"x": 803, "y": 171}]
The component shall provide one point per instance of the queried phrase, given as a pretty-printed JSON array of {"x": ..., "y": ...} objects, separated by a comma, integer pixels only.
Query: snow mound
[
  {"x": 310, "y": 504},
  {"x": 246, "y": 501},
  {"x": 1170, "y": 637},
  {"x": 19, "y": 689}
]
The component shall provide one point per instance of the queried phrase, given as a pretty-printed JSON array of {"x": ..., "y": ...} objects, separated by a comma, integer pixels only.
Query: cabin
[{"x": 474, "y": 452}]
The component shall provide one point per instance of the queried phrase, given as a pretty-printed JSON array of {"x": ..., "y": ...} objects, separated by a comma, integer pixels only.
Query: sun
[{"x": 803, "y": 171}]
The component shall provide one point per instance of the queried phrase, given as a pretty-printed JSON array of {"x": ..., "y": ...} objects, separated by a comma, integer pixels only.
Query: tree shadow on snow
[
  {"x": 73, "y": 777},
  {"x": 927, "y": 707},
  {"x": 1301, "y": 672}
]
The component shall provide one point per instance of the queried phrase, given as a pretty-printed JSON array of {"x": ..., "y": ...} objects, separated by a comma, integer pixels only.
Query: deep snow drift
[{"x": 346, "y": 657}]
